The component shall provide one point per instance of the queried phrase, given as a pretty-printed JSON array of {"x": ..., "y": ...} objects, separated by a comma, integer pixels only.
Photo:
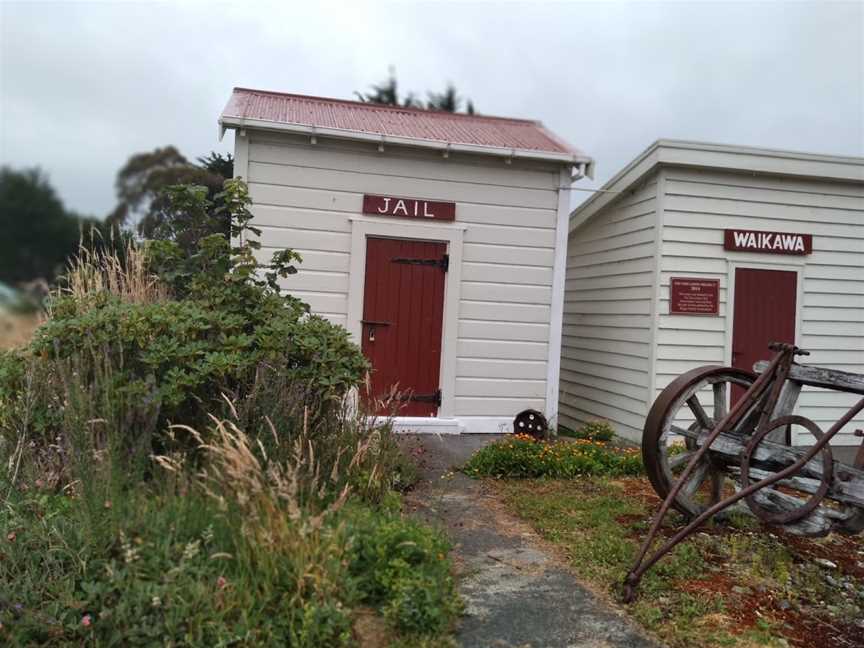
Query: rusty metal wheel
[
  {"x": 689, "y": 406},
  {"x": 531, "y": 422},
  {"x": 781, "y": 517}
]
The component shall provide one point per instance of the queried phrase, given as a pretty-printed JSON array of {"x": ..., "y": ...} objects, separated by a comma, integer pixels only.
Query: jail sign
[
  {"x": 408, "y": 207},
  {"x": 770, "y": 242}
]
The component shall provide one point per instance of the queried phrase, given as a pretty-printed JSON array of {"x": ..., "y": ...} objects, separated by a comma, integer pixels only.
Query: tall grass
[
  {"x": 347, "y": 439},
  {"x": 119, "y": 271},
  {"x": 96, "y": 271},
  {"x": 227, "y": 541}
]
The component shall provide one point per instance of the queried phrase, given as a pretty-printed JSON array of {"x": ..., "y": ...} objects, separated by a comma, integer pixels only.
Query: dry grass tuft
[
  {"x": 121, "y": 273},
  {"x": 274, "y": 497},
  {"x": 281, "y": 508}
]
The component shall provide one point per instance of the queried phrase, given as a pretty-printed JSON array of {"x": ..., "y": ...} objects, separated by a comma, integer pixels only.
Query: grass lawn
[{"x": 732, "y": 585}]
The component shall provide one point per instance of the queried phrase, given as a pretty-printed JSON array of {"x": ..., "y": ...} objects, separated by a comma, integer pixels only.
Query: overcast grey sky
[{"x": 85, "y": 84}]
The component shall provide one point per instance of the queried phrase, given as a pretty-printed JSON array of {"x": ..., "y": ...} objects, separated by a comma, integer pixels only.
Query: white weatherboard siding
[
  {"x": 606, "y": 345},
  {"x": 698, "y": 205},
  {"x": 305, "y": 197}
]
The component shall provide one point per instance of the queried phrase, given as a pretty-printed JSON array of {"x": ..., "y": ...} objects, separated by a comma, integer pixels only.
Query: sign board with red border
[
  {"x": 767, "y": 242},
  {"x": 694, "y": 296},
  {"x": 408, "y": 208}
]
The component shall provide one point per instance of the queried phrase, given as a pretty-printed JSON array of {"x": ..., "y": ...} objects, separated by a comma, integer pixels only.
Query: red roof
[{"x": 393, "y": 121}]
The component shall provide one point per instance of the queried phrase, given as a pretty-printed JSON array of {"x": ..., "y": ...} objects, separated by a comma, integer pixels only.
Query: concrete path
[{"x": 517, "y": 594}]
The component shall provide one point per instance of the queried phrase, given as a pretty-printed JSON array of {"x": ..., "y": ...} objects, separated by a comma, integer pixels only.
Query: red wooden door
[
  {"x": 765, "y": 312},
  {"x": 403, "y": 308}
]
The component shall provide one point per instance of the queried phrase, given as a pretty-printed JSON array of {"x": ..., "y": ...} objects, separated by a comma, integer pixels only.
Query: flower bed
[{"x": 523, "y": 457}]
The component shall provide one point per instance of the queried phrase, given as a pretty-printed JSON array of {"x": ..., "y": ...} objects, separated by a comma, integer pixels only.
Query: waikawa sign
[{"x": 770, "y": 242}]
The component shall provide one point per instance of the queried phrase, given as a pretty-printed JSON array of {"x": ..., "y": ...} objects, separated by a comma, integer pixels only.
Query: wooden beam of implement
[{"x": 848, "y": 486}]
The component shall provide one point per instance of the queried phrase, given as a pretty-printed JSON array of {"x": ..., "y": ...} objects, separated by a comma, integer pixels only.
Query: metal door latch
[
  {"x": 373, "y": 324},
  {"x": 443, "y": 262},
  {"x": 434, "y": 398}
]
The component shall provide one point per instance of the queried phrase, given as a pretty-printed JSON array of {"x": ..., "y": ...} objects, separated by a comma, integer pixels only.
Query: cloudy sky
[{"x": 85, "y": 84}]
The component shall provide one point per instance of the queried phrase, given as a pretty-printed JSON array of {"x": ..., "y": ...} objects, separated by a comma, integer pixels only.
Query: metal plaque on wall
[{"x": 694, "y": 296}]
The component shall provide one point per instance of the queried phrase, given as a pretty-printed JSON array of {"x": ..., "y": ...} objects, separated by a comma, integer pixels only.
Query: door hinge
[
  {"x": 434, "y": 398},
  {"x": 443, "y": 262}
]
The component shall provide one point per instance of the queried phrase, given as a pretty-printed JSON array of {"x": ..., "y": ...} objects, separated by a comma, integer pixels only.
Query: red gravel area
[{"x": 802, "y": 626}]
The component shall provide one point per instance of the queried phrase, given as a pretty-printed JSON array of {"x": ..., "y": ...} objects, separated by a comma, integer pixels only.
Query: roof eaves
[
  {"x": 228, "y": 121},
  {"x": 617, "y": 184},
  {"x": 581, "y": 157},
  {"x": 683, "y": 153},
  {"x": 761, "y": 160},
  {"x": 695, "y": 145}
]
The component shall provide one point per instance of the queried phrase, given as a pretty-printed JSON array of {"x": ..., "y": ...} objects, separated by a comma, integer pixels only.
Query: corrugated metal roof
[{"x": 393, "y": 121}]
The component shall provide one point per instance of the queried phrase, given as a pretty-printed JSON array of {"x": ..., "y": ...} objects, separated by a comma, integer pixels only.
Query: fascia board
[
  {"x": 755, "y": 160},
  {"x": 562, "y": 158}
]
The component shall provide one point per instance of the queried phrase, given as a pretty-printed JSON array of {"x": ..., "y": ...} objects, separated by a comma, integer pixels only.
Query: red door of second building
[
  {"x": 403, "y": 309},
  {"x": 765, "y": 312}
]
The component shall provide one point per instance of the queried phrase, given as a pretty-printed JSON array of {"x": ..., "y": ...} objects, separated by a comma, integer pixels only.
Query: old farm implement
[{"x": 704, "y": 456}]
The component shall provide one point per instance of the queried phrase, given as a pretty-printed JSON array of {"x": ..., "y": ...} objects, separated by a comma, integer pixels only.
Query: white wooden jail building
[
  {"x": 699, "y": 254},
  {"x": 438, "y": 240}
]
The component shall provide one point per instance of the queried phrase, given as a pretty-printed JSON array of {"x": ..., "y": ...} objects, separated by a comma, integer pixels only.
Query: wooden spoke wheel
[{"x": 692, "y": 403}]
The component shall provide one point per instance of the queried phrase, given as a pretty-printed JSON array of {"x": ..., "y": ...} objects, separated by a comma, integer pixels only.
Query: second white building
[{"x": 700, "y": 254}]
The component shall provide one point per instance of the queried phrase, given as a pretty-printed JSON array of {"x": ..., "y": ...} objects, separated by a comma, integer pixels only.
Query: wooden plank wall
[{"x": 605, "y": 355}]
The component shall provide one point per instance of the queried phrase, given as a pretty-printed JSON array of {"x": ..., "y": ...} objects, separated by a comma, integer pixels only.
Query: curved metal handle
[{"x": 785, "y": 346}]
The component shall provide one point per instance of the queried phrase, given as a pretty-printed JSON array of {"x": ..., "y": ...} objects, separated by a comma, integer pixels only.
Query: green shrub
[
  {"x": 401, "y": 566},
  {"x": 195, "y": 353},
  {"x": 521, "y": 456},
  {"x": 205, "y": 326},
  {"x": 222, "y": 314}
]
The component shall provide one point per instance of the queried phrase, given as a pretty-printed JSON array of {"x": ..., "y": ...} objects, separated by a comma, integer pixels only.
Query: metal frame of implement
[{"x": 729, "y": 440}]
